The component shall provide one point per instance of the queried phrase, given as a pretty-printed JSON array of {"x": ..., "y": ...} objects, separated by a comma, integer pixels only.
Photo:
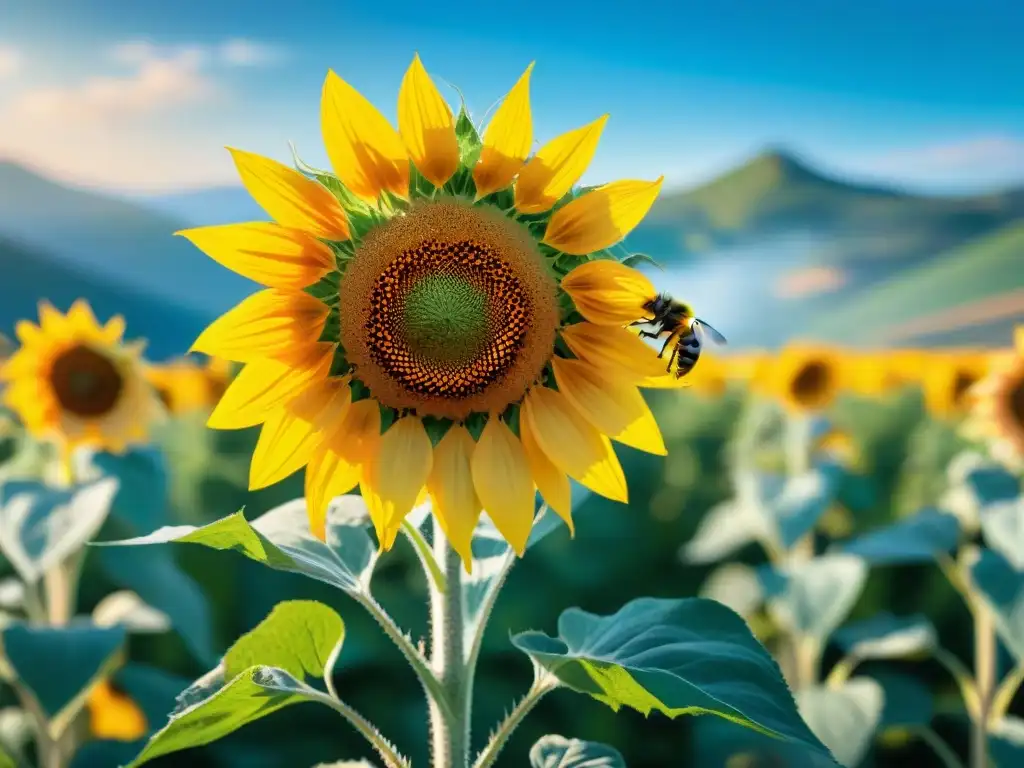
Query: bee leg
[
  {"x": 641, "y": 321},
  {"x": 665, "y": 346},
  {"x": 672, "y": 359},
  {"x": 648, "y": 334}
]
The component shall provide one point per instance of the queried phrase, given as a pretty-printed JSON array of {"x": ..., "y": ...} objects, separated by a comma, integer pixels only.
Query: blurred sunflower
[
  {"x": 997, "y": 403},
  {"x": 708, "y": 377},
  {"x": 218, "y": 373},
  {"x": 76, "y": 381},
  {"x": 181, "y": 385},
  {"x": 872, "y": 374},
  {"x": 113, "y": 715},
  {"x": 421, "y": 308},
  {"x": 806, "y": 377},
  {"x": 948, "y": 377}
]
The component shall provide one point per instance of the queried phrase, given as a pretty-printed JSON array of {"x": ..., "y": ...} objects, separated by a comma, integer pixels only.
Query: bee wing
[{"x": 704, "y": 329}]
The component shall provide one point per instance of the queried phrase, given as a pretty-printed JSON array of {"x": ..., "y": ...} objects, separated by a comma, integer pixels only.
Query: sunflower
[
  {"x": 113, "y": 716},
  {"x": 997, "y": 403},
  {"x": 948, "y": 378},
  {"x": 872, "y": 374},
  {"x": 708, "y": 377},
  {"x": 442, "y": 316},
  {"x": 75, "y": 381},
  {"x": 181, "y": 385},
  {"x": 806, "y": 377}
]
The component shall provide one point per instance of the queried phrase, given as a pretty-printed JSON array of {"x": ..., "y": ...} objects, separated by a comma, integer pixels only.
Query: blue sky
[{"x": 133, "y": 95}]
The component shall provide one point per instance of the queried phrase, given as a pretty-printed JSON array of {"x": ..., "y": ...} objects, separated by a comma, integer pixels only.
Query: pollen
[{"x": 450, "y": 310}]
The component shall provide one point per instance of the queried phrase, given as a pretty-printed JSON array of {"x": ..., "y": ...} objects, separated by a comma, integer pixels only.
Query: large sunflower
[
  {"x": 807, "y": 377},
  {"x": 997, "y": 404},
  {"x": 948, "y": 378},
  {"x": 75, "y": 381},
  {"x": 442, "y": 316}
]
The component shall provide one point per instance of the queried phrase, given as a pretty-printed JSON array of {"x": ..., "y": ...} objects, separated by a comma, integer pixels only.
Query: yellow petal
[
  {"x": 271, "y": 323},
  {"x": 393, "y": 479},
  {"x": 113, "y": 716},
  {"x": 365, "y": 151},
  {"x": 552, "y": 482},
  {"x": 573, "y": 445},
  {"x": 616, "y": 409},
  {"x": 328, "y": 475},
  {"x": 556, "y": 167},
  {"x": 426, "y": 125},
  {"x": 272, "y": 255},
  {"x": 52, "y": 321},
  {"x": 292, "y": 433},
  {"x": 507, "y": 140},
  {"x": 113, "y": 331},
  {"x": 455, "y": 504},
  {"x": 614, "y": 350},
  {"x": 602, "y": 217},
  {"x": 503, "y": 483},
  {"x": 265, "y": 385},
  {"x": 289, "y": 198},
  {"x": 609, "y": 293},
  {"x": 28, "y": 332},
  {"x": 80, "y": 314}
]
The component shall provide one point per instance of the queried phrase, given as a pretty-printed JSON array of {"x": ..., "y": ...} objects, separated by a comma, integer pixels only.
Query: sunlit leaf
[
  {"x": 723, "y": 530},
  {"x": 281, "y": 539},
  {"x": 736, "y": 586},
  {"x": 886, "y": 636},
  {"x": 1002, "y": 526},
  {"x": 814, "y": 597},
  {"x": 690, "y": 656},
  {"x": 916, "y": 539},
  {"x": 1002, "y": 587},
  {"x": 142, "y": 475},
  {"x": 127, "y": 609},
  {"x": 40, "y": 526},
  {"x": 802, "y": 502},
  {"x": 844, "y": 718},
  {"x": 1006, "y": 742},
  {"x": 553, "y": 751}
]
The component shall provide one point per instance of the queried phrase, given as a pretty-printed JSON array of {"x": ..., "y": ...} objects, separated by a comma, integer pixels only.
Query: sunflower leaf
[
  {"x": 844, "y": 718},
  {"x": 1006, "y": 742},
  {"x": 690, "y": 656},
  {"x": 266, "y": 670},
  {"x": 886, "y": 636},
  {"x": 1002, "y": 587},
  {"x": 1002, "y": 526},
  {"x": 553, "y": 751},
  {"x": 916, "y": 539},
  {"x": 814, "y": 597},
  {"x": 281, "y": 539}
]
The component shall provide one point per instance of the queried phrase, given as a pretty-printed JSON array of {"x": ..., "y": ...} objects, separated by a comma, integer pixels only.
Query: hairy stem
[
  {"x": 384, "y": 748},
  {"x": 985, "y": 680},
  {"x": 449, "y": 726},
  {"x": 543, "y": 684}
]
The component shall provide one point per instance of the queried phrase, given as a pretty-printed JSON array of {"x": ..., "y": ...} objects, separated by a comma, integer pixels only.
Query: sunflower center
[
  {"x": 962, "y": 383},
  {"x": 85, "y": 382},
  {"x": 811, "y": 382},
  {"x": 448, "y": 310},
  {"x": 1016, "y": 402}
]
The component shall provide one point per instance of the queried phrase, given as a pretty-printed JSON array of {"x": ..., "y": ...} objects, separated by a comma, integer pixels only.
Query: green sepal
[
  {"x": 511, "y": 418},
  {"x": 436, "y": 428},
  {"x": 340, "y": 364},
  {"x": 326, "y": 288},
  {"x": 640, "y": 258},
  {"x": 332, "y": 327},
  {"x": 468, "y": 138},
  {"x": 475, "y": 424}
]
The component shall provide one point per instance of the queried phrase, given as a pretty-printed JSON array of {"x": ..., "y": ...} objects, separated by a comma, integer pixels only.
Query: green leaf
[
  {"x": 886, "y": 636},
  {"x": 802, "y": 502},
  {"x": 736, "y": 586},
  {"x": 142, "y": 477},
  {"x": 815, "y": 596},
  {"x": 679, "y": 657},
  {"x": 916, "y": 539},
  {"x": 641, "y": 258},
  {"x": 298, "y": 636},
  {"x": 1002, "y": 526},
  {"x": 58, "y": 666},
  {"x": 1002, "y": 587},
  {"x": 844, "y": 718},
  {"x": 299, "y": 639},
  {"x": 908, "y": 702},
  {"x": 468, "y": 139},
  {"x": 724, "y": 530},
  {"x": 127, "y": 609},
  {"x": 40, "y": 526},
  {"x": 281, "y": 539},
  {"x": 1006, "y": 742},
  {"x": 6, "y": 761},
  {"x": 553, "y": 751},
  {"x": 347, "y": 764}
]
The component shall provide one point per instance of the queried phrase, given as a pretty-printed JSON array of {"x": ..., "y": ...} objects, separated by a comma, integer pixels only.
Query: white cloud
[
  {"x": 978, "y": 152},
  {"x": 10, "y": 61},
  {"x": 248, "y": 53}
]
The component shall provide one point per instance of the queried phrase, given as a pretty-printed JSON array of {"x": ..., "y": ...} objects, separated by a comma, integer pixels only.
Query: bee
[{"x": 686, "y": 332}]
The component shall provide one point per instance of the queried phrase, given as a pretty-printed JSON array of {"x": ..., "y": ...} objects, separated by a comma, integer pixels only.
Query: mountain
[
  {"x": 204, "y": 207},
  {"x": 117, "y": 239},
  {"x": 30, "y": 275}
]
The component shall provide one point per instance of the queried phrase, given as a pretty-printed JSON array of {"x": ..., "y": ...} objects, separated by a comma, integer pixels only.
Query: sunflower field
[{"x": 460, "y": 475}]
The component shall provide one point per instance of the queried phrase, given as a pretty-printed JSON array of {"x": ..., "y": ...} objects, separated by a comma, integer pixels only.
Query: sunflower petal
[
  {"x": 289, "y": 198},
  {"x": 28, "y": 332},
  {"x": 615, "y": 351},
  {"x": 292, "y": 433},
  {"x": 552, "y": 482},
  {"x": 455, "y": 503},
  {"x": 328, "y": 475},
  {"x": 602, "y": 217},
  {"x": 366, "y": 153},
  {"x": 558, "y": 165},
  {"x": 270, "y": 323},
  {"x": 113, "y": 331},
  {"x": 616, "y": 409},
  {"x": 427, "y": 126},
  {"x": 503, "y": 483},
  {"x": 51, "y": 320},
  {"x": 607, "y": 292},
  {"x": 394, "y": 478},
  {"x": 269, "y": 254},
  {"x": 507, "y": 140},
  {"x": 265, "y": 385},
  {"x": 573, "y": 445},
  {"x": 80, "y": 315}
]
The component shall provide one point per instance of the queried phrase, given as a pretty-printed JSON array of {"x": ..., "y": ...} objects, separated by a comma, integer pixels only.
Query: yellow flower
[
  {"x": 113, "y": 716},
  {"x": 806, "y": 377},
  {"x": 871, "y": 374},
  {"x": 997, "y": 403},
  {"x": 422, "y": 304},
  {"x": 948, "y": 379},
  {"x": 709, "y": 377},
  {"x": 75, "y": 381},
  {"x": 181, "y": 385}
]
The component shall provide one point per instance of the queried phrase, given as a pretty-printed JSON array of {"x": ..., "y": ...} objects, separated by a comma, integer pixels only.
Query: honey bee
[{"x": 686, "y": 332}]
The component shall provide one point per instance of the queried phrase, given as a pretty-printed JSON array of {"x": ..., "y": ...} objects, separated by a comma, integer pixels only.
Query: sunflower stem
[
  {"x": 449, "y": 725},
  {"x": 985, "y": 678},
  {"x": 543, "y": 683}
]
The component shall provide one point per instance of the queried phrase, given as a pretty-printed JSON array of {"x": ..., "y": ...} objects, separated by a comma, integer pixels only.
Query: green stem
[
  {"x": 963, "y": 678},
  {"x": 449, "y": 730},
  {"x": 841, "y": 671},
  {"x": 483, "y": 615},
  {"x": 384, "y": 748},
  {"x": 946, "y": 756},
  {"x": 984, "y": 678},
  {"x": 543, "y": 684},
  {"x": 1004, "y": 695},
  {"x": 430, "y": 566}
]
